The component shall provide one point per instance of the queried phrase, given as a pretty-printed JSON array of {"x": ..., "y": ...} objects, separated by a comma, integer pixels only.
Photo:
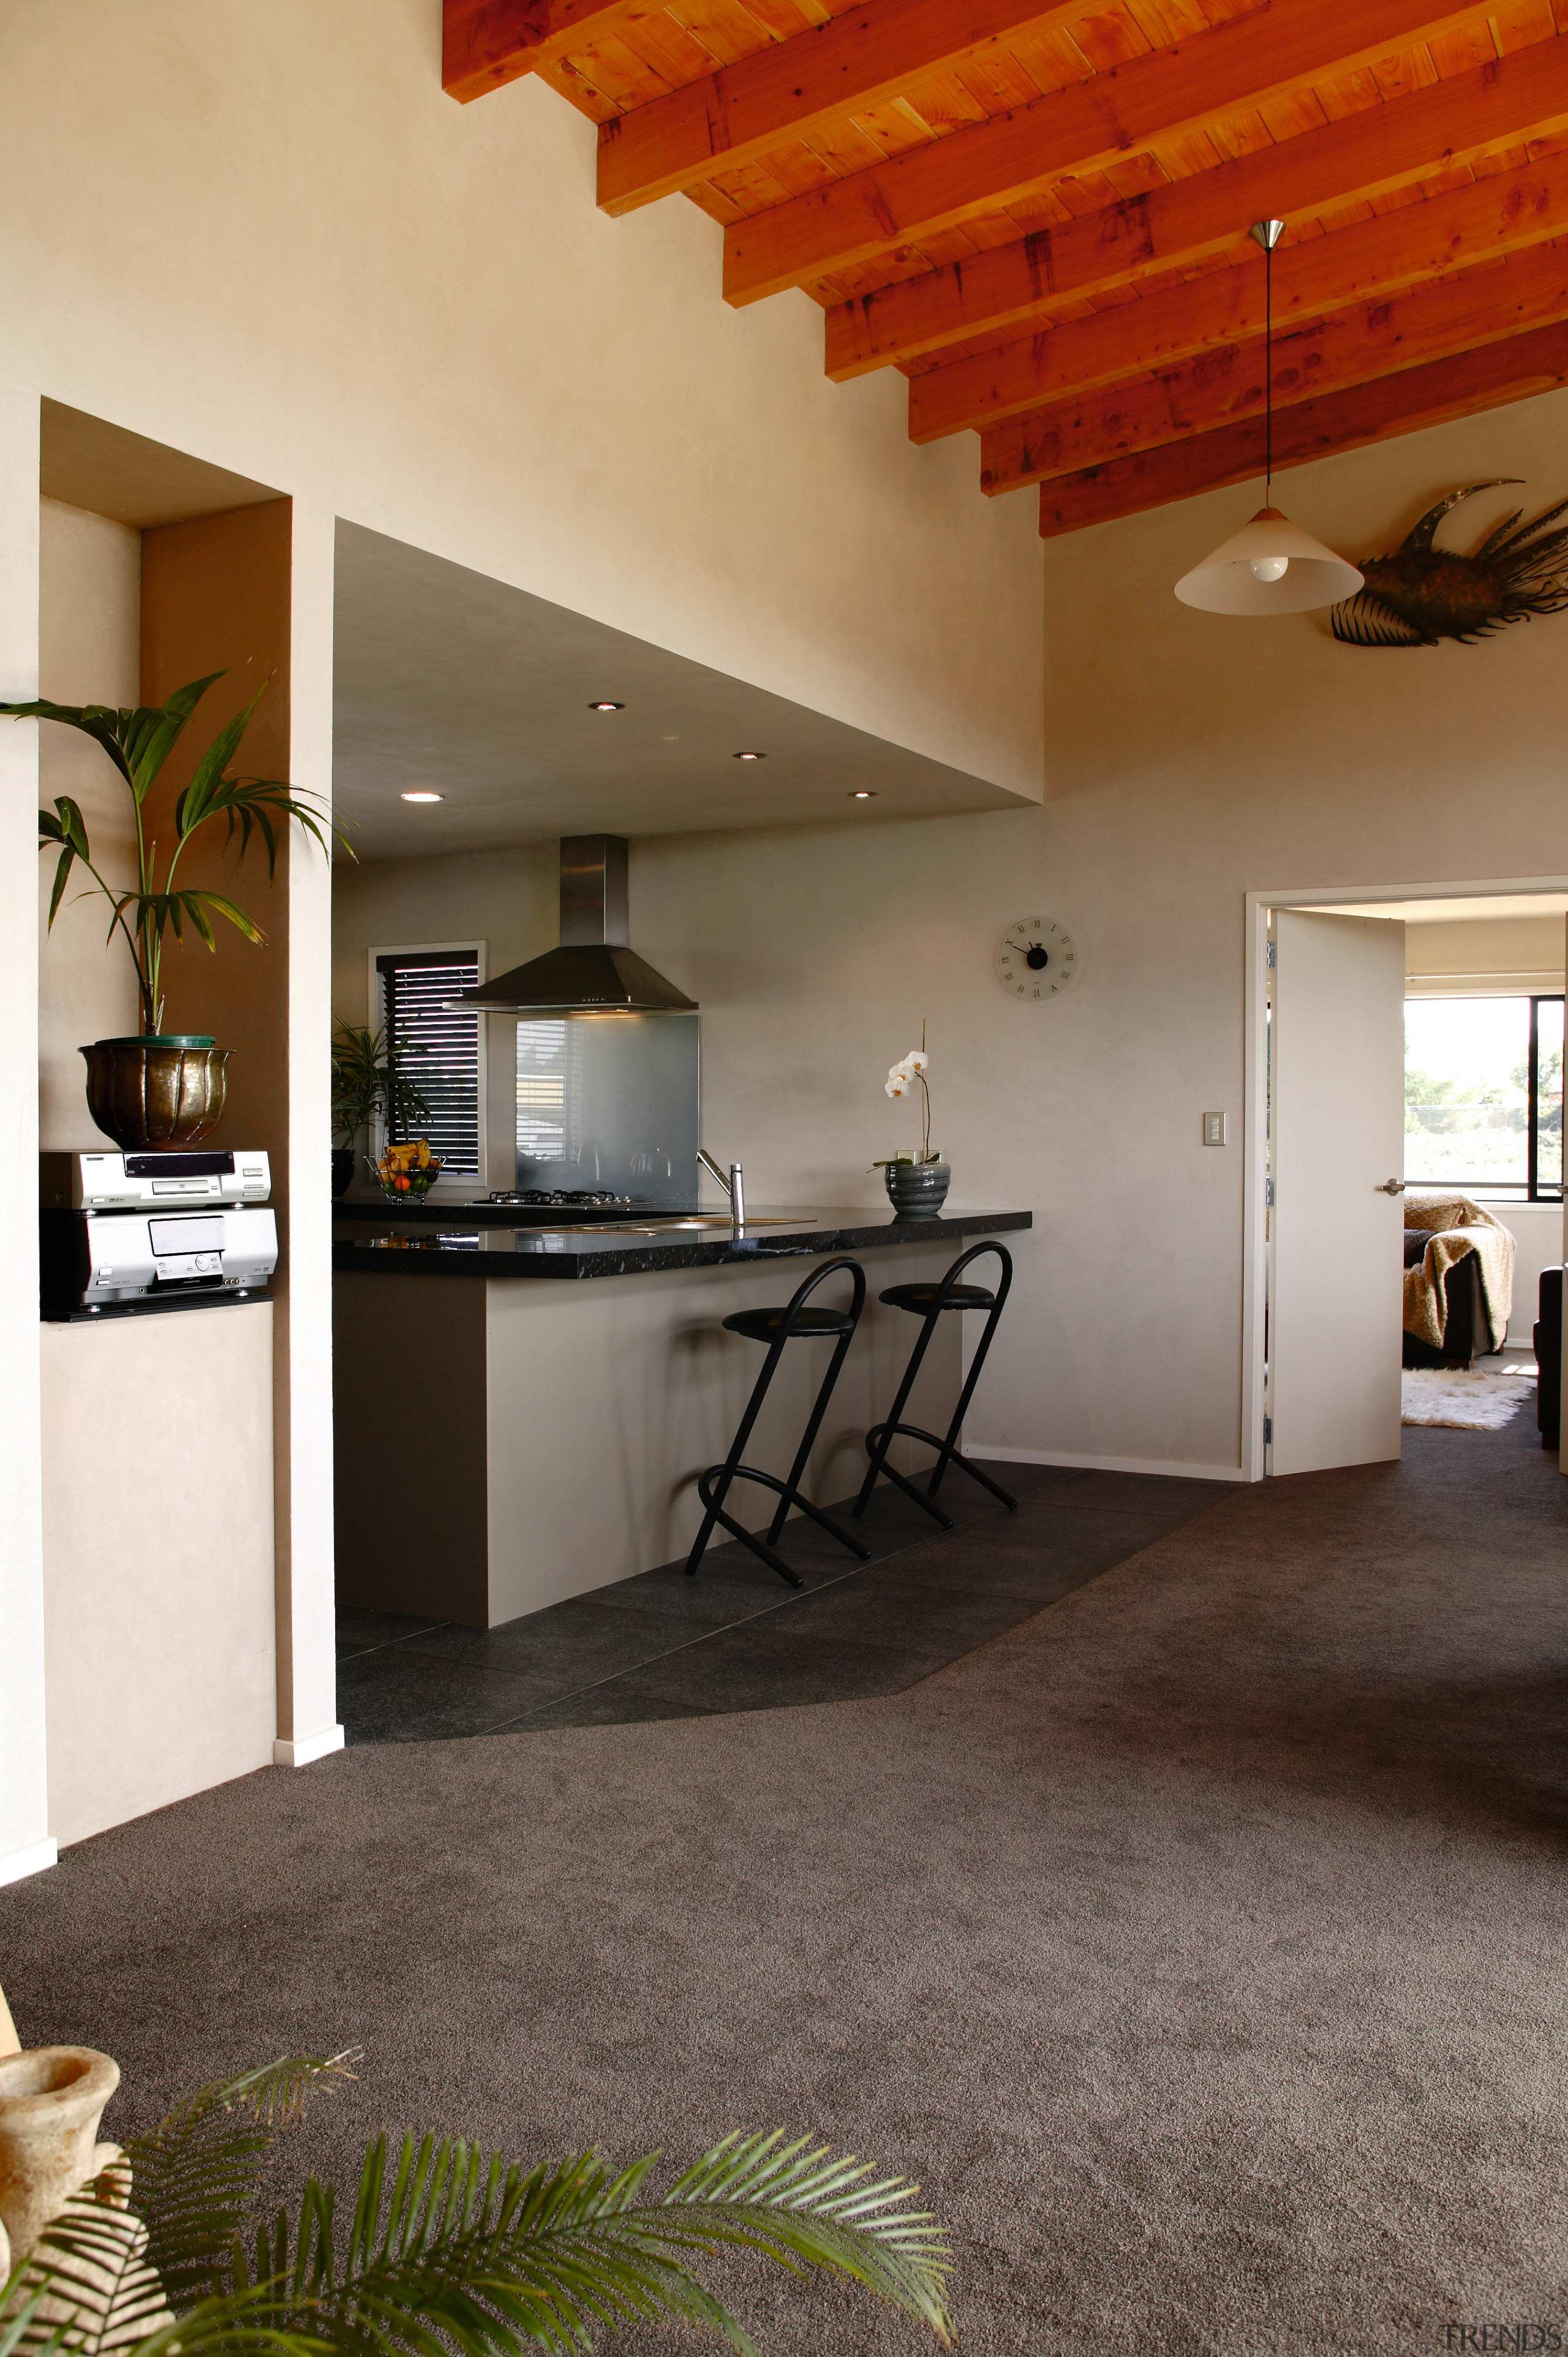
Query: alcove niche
[{"x": 161, "y": 1648}]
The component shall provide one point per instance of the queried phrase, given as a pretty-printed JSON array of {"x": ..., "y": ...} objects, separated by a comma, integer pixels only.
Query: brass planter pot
[{"x": 161, "y": 1091}]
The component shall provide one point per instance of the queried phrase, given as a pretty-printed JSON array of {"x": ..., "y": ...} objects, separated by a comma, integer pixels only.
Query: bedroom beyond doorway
[{"x": 1407, "y": 1057}]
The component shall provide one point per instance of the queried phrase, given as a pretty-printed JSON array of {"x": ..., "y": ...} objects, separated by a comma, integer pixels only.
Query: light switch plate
[{"x": 1214, "y": 1129}]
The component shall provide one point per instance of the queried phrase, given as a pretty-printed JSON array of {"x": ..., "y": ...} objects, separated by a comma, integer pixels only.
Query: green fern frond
[
  {"x": 196, "y": 2175},
  {"x": 91, "y": 2263},
  {"x": 449, "y": 2241},
  {"x": 451, "y": 2251}
]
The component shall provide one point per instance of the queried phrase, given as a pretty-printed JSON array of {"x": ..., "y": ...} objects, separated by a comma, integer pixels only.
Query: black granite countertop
[
  {"x": 453, "y": 1212},
  {"x": 630, "y": 1247}
]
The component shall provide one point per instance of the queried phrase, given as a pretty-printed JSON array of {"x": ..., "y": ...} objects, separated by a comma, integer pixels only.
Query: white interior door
[{"x": 1336, "y": 1117}]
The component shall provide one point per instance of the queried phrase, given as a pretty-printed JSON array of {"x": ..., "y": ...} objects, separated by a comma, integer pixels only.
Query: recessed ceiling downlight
[
  {"x": 421, "y": 794},
  {"x": 606, "y": 707},
  {"x": 751, "y": 757},
  {"x": 863, "y": 795}
]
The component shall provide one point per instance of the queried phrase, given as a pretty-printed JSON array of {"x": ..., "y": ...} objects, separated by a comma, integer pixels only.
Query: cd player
[{"x": 134, "y": 1181}]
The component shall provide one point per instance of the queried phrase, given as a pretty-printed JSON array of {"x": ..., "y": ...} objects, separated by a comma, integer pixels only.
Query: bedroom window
[{"x": 1483, "y": 1095}]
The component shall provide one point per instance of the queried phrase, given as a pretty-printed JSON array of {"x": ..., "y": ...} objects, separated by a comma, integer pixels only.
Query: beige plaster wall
[
  {"x": 158, "y": 1610},
  {"x": 89, "y": 573},
  {"x": 412, "y": 312}
]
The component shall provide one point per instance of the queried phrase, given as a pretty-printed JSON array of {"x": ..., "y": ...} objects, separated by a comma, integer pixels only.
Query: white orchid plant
[{"x": 903, "y": 1078}]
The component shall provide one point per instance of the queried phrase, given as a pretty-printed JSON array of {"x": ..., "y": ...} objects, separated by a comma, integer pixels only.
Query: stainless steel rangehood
[{"x": 593, "y": 970}]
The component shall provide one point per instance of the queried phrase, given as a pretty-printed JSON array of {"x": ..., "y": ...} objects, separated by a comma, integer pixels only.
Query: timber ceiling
[{"x": 1039, "y": 215}]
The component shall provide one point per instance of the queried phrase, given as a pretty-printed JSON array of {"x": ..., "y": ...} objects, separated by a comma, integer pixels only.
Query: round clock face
[{"x": 1035, "y": 960}]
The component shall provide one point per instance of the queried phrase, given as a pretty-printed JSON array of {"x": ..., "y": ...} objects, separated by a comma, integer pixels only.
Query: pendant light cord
[{"x": 1268, "y": 375}]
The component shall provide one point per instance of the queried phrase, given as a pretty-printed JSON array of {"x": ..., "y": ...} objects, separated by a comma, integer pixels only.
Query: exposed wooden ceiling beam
[
  {"x": 1512, "y": 369},
  {"x": 1501, "y": 214},
  {"x": 487, "y": 43},
  {"x": 1220, "y": 388},
  {"x": 1190, "y": 220},
  {"x": 871, "y": 53},
  {"x": 1279, "y": 49}
]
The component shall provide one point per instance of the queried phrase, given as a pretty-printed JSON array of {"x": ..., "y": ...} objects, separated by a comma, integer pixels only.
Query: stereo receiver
[{"x": 98, "y": 1264}]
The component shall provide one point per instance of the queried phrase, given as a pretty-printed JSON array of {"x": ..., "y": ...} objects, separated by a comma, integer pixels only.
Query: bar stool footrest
[
  {"x": 945, "y": 1457},
  {"x": 876, "y": 1441},
  {"x": 786, "y": 1497}
]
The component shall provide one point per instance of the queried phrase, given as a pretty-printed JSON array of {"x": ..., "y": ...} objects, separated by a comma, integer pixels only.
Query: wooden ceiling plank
[
  {"x": 1360, "y": 154},
  {"x": 1289, "y": 44},
  {"x": 1383, "y": 256},
  {"x": 487, "y": 43},
  {"x": 1515, "y": 368},
  {"x": 1220, "y": 388},
  {"x": 869, "y": 54}
]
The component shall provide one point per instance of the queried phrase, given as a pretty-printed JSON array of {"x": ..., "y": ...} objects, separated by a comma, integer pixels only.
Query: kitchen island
[{"x": 522, "y": 1411}]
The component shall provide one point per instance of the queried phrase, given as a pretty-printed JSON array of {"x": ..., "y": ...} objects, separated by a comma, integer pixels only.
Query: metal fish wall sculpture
[{"x": 1422, "y": 594}]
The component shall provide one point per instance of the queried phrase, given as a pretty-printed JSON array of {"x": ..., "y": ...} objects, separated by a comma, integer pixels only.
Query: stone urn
[
  {"x": 162, "y": 1090},
  {"x": 51, "y": 2100},
  {"x": 917, "y": 1189}
]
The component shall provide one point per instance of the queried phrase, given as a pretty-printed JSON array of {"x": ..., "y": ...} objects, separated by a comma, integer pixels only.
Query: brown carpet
[{"x": 1200, "y": 1943}]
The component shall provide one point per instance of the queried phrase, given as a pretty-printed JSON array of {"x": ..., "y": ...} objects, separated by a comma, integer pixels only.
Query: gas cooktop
[{"x": 576, "y": 1199}]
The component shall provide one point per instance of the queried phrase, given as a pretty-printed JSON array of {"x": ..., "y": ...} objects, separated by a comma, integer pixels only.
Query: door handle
[{"x": 1390, "y": 1187}]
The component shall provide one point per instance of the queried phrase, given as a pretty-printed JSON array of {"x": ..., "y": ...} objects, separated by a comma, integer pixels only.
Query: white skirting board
[
  {"x": 1176, "y": 1471},
  {"x": 308, "y": 1748},
  {"x": 33, "y": 1859}
]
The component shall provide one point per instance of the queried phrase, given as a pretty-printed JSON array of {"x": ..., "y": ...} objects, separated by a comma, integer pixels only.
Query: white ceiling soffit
[
  {"x": 1491, "y": 906},
  {"x": 444, "y": 679}
]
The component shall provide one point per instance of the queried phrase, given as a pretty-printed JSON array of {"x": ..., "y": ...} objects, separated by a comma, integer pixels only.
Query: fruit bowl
[{"x": 407, "y": 1173}]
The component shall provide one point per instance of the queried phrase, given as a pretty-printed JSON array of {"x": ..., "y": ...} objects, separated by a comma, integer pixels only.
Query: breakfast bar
[{"x": 522, "y": 1410}]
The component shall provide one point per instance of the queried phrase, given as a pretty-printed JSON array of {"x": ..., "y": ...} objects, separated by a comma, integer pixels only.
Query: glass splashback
[{"x": 610, "y": 1100}]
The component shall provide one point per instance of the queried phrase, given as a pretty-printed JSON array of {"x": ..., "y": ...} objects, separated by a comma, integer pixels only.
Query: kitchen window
[
  {"x": 1484, "y": 1095},
  {"x": 445, "y": 1050}
]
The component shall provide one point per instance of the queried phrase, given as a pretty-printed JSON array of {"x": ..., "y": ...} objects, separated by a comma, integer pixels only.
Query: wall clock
[{"x": 1035, "y": 960}]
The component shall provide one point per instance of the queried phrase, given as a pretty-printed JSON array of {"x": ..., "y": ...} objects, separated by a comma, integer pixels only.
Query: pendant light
[{"x": 1270, "y": 566}]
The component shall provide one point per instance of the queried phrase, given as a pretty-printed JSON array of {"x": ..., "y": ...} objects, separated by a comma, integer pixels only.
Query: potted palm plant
[
  {"x": 162, "y": 2250},
  {"x": 161, "y": 1088},
  {"x": 369, "y": 1082}
]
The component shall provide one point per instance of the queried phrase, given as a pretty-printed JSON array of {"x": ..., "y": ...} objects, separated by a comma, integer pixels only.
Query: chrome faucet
[{"x": 734, "y": 1187}]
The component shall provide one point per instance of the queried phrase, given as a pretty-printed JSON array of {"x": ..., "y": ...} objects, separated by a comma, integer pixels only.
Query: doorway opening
[{"x": 1404, "y": 1048}]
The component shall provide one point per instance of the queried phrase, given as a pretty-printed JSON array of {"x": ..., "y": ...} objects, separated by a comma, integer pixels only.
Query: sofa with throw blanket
[{"x": 1458, "y": 1279}]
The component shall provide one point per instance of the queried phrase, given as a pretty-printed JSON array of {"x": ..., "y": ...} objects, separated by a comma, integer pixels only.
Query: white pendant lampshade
[{"x": 1269, "y": 567}]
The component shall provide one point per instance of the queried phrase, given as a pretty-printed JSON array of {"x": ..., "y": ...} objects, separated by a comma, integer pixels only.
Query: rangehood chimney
[{"x": 593, "y": 971}]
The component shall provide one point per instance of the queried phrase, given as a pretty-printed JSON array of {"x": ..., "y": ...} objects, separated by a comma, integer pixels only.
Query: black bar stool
[
  {"x": 793, "y": 1323},
  {"x": 928, "y": 1302}
]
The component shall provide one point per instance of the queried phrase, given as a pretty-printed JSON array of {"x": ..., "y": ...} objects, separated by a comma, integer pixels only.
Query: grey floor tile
[
  {"x": 761, "y": 1666},
  {"x": 395, "y": 1695},
  {"x": 879, "y": 1606},
  {"x": 619, "y": 1702},
  {"x": 717, "y": 1594},
  {"x": 1042, "y": 1557},
  {"x": 571, "y": 1644},
  {"x": 359, "y": 1629}
]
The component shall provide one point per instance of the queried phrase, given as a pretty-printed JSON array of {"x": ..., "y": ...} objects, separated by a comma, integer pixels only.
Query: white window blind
[{"x": 413, "y": 985}]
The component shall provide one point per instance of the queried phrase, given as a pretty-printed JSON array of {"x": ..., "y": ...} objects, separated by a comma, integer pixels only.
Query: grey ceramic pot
[{"x": 917, "y": 1189}]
